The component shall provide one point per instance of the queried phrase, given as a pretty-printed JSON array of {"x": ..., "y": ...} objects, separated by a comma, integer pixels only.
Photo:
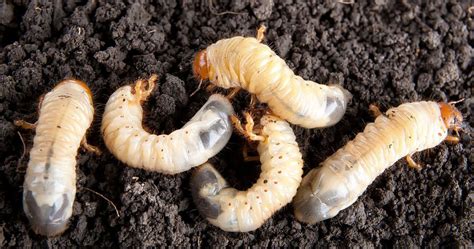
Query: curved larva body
[
  {"x": 345, "y": 175},
  {"x": 50, "y": 181},
  {"x": 200, "y": 139},
  {"x": 242, "y": 211},
  {"x": 245, "y": 62}
]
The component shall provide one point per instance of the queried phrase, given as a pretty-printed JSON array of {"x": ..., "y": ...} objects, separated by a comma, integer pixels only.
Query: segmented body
[
  {"x": 246, "y": 63},
  {"x": 200, "y": 139},
  {"x": 345, "y": 175},
  {"x": 242, "y": 211},
  {"x": 50, "y": 181}
]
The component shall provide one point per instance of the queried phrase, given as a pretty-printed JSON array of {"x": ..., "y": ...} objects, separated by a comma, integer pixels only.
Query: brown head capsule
[
  {"x": 451, "y": 116},
  {"x": 200, "y": 67},
  {"x": 78, "y": 82}
]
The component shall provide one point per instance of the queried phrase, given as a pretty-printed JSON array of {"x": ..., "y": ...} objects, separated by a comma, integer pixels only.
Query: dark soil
[{"x": 383, "y": 51}]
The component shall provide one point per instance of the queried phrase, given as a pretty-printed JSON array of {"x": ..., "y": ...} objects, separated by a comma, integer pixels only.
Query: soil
[{"x": 383, "y": 51}]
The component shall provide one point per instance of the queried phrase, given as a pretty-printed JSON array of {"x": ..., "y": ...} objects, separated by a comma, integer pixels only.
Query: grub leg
[
  {"x": 375, "y": 110},
  {"x": 25, "y": 125},
  {"x": 452, "y": 139},
  {"x": 90, "y": 148},
  {"x": 412, "y": 163},
  {"x": 261, "y": 33}
]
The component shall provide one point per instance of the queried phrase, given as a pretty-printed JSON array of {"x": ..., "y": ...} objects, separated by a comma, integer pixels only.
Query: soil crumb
[{"x": 385, "y": 52}]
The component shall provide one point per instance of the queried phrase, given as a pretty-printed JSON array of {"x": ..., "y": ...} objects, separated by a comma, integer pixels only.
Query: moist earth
[{"x": 384, "y": 52}]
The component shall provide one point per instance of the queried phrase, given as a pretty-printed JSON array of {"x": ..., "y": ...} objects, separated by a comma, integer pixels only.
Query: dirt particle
[
  {"x": 110, "y": 44},
  {"x": 447, "y": 73}
]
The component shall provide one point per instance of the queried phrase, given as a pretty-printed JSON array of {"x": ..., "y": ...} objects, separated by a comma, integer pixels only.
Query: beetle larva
[
  {"x": 50, "y": 181},
  {"x": 244, "y": 62},
  {"x": 242, "y": 211},
  {"x": 345, "y": 175},
  {"x": 200, "y": 139}
]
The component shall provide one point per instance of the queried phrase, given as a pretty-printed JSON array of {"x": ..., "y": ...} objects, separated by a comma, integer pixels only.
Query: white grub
[
  {"x": 199, "y": 139},
  {"x": 345, "y": 175},
  {"x": 243, "y": 211},
  {"x": 244, "y": 62},
  {"x": 50, "y": 181}
]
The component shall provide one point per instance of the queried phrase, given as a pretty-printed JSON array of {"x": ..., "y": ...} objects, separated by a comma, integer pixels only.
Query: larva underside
[
  {"x": 345, "y": 175},
  {"x": 242, "y": 211},
  {"x": 244, "y": 62},
  {"x": 50, "y": 181},
  {"x": 200, "y": 139}
]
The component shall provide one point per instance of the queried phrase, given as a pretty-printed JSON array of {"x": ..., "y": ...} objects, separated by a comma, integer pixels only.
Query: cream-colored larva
[
  {"x": 199, "y": 139},
  {"x": 50, "y": 181},
  {"x": 281, "y": 173},
  {"x": 345, "y": 175},
  {"x": 244, "y": 62}
]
